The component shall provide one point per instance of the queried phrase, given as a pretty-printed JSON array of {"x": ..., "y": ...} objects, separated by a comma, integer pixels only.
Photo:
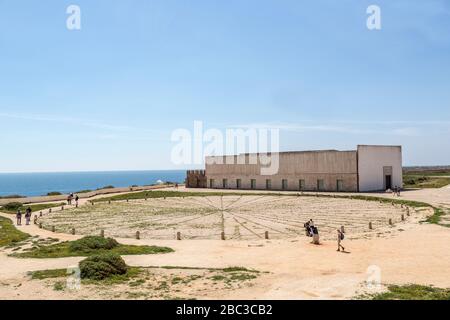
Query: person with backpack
[
  {"x": 339, "y": 239},
  {"x": 19, "y": 217}
]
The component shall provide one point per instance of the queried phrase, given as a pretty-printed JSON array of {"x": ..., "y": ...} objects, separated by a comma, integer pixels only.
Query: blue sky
[{"x": 108, "y": 97}]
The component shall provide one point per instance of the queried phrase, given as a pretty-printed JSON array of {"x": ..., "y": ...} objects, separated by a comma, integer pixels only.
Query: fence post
[
  {"x": 138, "y": 235},
  {"x": 178, "y": 235},
  {"x": 73, "y": 231},
  {"x": 403, "y": 217},
  {"x": 102, "y": 233},
  {"x": 222, "y": 235},
  {"x": 390, "y": 221},
  {"x": 370, "y": 225},
  {"x": 53, "y": 229},
  {"x": 266, "y": 235},
  {"x": 50, "y": 210}
]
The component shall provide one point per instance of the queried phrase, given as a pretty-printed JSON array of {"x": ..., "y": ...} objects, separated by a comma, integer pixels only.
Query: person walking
[
  {"x": 340, "y": 237},
  {"x": 28, "y": 216},
  {"x": 76, "y": 200},
  {"x": 19, "y": 217}
]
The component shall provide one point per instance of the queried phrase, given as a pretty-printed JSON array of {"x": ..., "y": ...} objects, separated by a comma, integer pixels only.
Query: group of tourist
[
  {"x": 71, "y": 197},
  {"x": 27, "y": 216},
  {"x": 313, "y": 232}
]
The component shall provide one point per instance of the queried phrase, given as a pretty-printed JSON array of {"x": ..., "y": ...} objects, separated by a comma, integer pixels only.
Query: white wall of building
[{"x": 371, "y": 163}]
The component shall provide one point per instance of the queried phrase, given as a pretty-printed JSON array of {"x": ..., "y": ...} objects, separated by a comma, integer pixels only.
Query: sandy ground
[{"x": 414, "y": 253}]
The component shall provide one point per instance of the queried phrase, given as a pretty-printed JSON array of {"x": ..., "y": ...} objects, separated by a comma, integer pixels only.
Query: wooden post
[
  {"x": 403, "y": 217},
  {"x": 73, "y": 231},
  {"x": 128, "y": 200},
  {"x": 50, "y": 210},
  {"x": 102, "y": 233},
  {"x": 178, "y": 235},
  {"x": 109, "y": 201},
  {"x": 266, "y": 235},
  {"x": 222, "y": 235},
  {"x": 138, "y": 235},
  {"x": 390, "y": 221},
  {"x": 62, "y": 208},
  {"x": 93, "y": 203},
  {"x": 370, "y": 225},
  {"x": 53, "y": 229}
]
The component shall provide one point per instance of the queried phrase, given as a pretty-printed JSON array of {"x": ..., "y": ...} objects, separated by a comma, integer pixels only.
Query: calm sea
[{"x": 37, "y": 184}]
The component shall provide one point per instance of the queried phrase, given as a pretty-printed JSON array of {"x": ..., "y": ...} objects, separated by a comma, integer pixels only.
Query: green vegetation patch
[
  {"x": 9, "y": 235},
  {"x": 12, "y": 207},
  {"x": 88, "y": 246},
  {"x": 176, "y": 194},
  {"x": 425, "y": 181},
  {"x": 54, "y": 193},
  {"x": 48, "y": 274},
  {"x": 102, "y": 266},
  {"x": 412, "y": 292}
]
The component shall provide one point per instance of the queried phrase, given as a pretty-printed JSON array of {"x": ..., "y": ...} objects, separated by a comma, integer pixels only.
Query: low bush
[
  {"x": 90, "y": 243},
  {"x": 102, "y": 266},
  {"x": 54, "y": 193},
  {"x": 12, "y": 206}
]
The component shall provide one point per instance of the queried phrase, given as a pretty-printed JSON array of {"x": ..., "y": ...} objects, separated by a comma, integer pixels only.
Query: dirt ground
[{"x": 290, "y": 267}]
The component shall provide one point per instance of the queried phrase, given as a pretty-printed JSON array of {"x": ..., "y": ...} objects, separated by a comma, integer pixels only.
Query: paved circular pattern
[{"x": 239, "y": 217}]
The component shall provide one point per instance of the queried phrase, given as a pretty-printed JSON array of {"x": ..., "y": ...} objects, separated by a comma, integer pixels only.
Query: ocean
[{"x": 38, "y": 184}]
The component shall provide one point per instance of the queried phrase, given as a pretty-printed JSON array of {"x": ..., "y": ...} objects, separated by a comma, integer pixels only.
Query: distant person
[
  {"x": 315, "y": 235},
  {"x": 19, "y": 217},
  {"x": 340, "y": 238},
  {"x": 307, "y": 230},
  {"x": 176, "y": 185},
  {"x": 28, "y": 216},
  {"x": 76, "y": 200}
]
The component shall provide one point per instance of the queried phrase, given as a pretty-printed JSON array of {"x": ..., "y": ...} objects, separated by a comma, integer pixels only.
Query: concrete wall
[
  {"x": 310, "y": 166},
  {"x": 376, "y": 161}
]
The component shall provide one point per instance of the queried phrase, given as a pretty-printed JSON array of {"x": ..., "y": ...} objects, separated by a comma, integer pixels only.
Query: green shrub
[
  {"x": 102, "y": 266},
  {"x": 12, "y": 196},
  {"x": 106, "y": 187},
  {"x": 54, "y": 193},
  {"x": 89, "y": 243},
  {"x": 12, "y": 206}
]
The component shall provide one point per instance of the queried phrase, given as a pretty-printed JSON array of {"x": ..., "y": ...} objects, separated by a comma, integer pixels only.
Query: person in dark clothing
[
  {"x": 28, "y": 216},
  {"x": 19, "y": 217},
  {"x": 76, "y": 200}
]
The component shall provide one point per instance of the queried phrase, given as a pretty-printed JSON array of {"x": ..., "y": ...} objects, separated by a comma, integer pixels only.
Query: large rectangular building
[{"x": 369, "y": 168}]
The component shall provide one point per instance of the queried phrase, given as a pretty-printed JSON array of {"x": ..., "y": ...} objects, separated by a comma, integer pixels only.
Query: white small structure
[{"x": 379, "y": 167}]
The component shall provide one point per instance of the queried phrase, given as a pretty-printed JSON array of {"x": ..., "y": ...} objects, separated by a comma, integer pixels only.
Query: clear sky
[{"x": 108, "y": 96}]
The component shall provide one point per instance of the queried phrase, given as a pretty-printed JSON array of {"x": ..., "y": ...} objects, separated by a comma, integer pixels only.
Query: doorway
[{"x": 388, "y": 182}]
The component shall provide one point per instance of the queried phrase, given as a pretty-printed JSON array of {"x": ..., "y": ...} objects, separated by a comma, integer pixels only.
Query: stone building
[{"x": 369, "y": 168}]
